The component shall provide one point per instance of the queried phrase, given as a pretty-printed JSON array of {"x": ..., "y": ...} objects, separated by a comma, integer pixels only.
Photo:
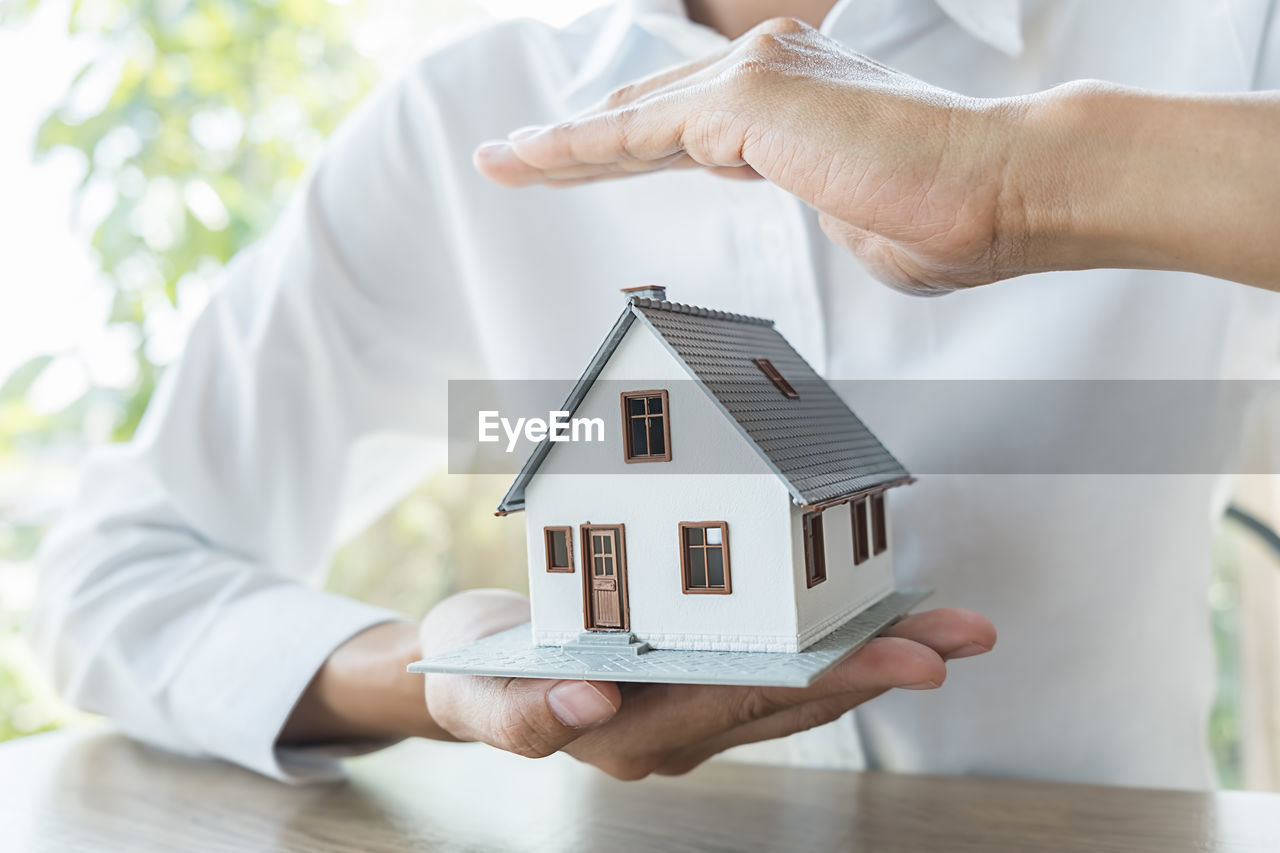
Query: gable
[
  {"x": 702, "y": 440},
  {"x": 812, "y": 441}
]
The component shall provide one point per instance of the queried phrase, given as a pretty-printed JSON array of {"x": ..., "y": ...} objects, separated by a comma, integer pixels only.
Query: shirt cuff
[{"x": 242, "y": 680}]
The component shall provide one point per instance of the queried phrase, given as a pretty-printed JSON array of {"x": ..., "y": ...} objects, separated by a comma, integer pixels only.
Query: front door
[{"x": 604, "y": 580}]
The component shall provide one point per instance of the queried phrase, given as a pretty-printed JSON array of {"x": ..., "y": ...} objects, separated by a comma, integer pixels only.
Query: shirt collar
[
  {"x": 602, "y": 67},
  {"x": 995, "y": 22}
]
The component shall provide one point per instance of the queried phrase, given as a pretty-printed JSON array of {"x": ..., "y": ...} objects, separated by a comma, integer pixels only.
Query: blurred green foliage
[
  {"x": 194, "y": 121},
  {"x": 440, "y": 540},
  {"x": 27, "y": 705},
  {"x": 1225, "y": 729}
]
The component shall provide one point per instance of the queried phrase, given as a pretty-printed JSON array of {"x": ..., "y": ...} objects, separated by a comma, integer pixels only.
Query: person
[{"x": 178, "y": 596}]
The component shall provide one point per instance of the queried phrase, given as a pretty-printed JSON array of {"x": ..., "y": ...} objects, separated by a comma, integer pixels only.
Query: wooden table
[{"x": 93, "y": 790}]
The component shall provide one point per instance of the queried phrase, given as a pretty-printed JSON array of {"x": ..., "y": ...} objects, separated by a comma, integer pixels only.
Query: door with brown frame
[{"x": 604, "y": 577}]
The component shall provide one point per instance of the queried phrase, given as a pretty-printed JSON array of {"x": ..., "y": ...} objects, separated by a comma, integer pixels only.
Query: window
[
  {"x": 878, "y": 524},
  {"x": 815, "y": 552},
  {"x": 704, "y": 556},
  {"x": 775, "y": 376},
  {"x": 861, "y": 540},
  {"x": 559, "y": 544},
  {"x": 646, "y": 426}
]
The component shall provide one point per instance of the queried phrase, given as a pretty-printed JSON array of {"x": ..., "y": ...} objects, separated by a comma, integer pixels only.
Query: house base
[{"x": 512, "y": 654}]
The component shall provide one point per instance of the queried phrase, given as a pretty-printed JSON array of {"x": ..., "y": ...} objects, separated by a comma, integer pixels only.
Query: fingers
[
  {"x": 952, "y": 632},
  {"x": 663, "y": 717},
  {"x": 669, "y": 726},
  {"x": 910, "y": 654},
  {"x": 660, "y": 726},
  {"x": 653, "y": 83},
  {"x": 630, "y": 139},
  {"x": 498, "y": 162},
  {"x": 798, "y": 719},
  {"x": 737, "y": 173},
  {"x": 880, "y": 665},
  {"x": 661, "y": 80},
  {"x": 696, "y": 109},
  {"x": 549, "y": 158},
  {"x": 646, "y": 132}
]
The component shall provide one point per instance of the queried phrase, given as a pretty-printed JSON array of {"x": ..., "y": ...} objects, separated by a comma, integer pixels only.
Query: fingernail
[
  {"x": 492, "y": 149},
  {"x": 922, "y": 685},
  {"x": 522, "y": 132},
  {"x": 578, "y": 704},
  {"x": 968, "y": 651}
]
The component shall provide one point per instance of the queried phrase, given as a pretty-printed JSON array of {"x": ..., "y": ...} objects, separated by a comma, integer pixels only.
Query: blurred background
[{"x": 144, "y": 143}]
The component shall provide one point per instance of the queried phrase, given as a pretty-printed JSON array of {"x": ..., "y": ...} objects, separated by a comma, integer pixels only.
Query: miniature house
[{"x": 736, "y": 504}]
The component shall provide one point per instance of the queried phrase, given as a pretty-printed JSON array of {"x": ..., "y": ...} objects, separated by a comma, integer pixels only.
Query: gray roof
[{"x": 815, "y": 444}]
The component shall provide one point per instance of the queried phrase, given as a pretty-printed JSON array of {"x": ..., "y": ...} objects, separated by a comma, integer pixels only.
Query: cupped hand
[
  {"x": 632, "y": 730},
  {"x": 908, "y": 177}
]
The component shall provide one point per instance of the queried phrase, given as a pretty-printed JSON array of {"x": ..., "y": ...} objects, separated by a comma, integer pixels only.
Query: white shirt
[{"x": 178, "y": 596}]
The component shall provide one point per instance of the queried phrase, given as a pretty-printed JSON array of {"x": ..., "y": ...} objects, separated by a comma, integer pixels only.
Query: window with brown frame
[
  {"x": 861, "y": 540},
  {"x": 815, "y": 552},
  {"x": 704, "y": 557},
  {"x": 878, "y": 524},
  {"x": 775, "y": 376},
  {"x": 559, "y": 546},
  {"x": 646, "y": 426}
]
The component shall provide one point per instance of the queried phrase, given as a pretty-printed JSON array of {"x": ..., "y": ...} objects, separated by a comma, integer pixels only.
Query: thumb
[{"x": 533, "y": 717}]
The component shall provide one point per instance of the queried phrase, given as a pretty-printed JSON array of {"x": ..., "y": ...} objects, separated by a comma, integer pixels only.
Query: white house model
[{"x": 736, "y": 503}]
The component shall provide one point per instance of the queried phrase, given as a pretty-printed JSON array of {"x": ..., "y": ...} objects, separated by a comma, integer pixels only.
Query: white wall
[
  {"x": 651, "y": 499},
  {"x": 848, "y": 589}
]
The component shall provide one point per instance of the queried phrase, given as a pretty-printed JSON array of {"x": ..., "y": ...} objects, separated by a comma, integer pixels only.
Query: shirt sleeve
[{"x": 178, "y": 596}]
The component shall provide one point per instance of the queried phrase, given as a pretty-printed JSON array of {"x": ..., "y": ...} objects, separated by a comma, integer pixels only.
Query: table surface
[{"x": 94, "y": 790}]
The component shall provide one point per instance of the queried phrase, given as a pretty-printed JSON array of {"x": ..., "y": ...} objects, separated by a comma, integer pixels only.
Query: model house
[{"x": 736, "y": 503}]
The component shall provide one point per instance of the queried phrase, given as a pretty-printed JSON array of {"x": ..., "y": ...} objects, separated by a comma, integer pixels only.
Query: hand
[
  {"x": 933, "y": 191},
  {"x": 632, "y": 730},
  {"x": 906, "y": 176}
]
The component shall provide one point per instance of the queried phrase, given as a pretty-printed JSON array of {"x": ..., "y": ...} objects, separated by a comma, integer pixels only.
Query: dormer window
[
  {"x": 646, "y": 426},
  {"x": 775, "y": 376}
]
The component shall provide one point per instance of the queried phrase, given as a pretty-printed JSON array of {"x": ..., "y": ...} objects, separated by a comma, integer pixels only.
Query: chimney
[{"x": 656, "y": 292}]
